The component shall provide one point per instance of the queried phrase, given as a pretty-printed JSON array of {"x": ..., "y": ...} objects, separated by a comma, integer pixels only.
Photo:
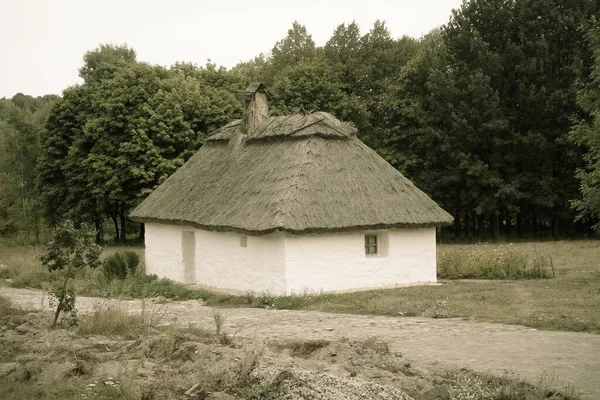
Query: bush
[
  {"x": 132, "y": 259},
  {"x": 118, "y": 265}
]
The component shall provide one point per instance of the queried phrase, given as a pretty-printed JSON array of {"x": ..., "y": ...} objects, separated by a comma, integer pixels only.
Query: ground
[{"x": 424, "y": 347}]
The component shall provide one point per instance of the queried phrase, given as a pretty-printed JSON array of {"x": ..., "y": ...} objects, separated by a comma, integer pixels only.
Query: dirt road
[{"x": 572, "y": 358}]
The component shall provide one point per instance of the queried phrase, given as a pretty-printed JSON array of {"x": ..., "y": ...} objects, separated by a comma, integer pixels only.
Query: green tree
[
  {"x": 21, "y": 120},
  {"x": 313, "y": 85},
  {"x": 297, "y": 45},
  {"x": 586, "y": 133},
  {"x": 114, "y": 138}
]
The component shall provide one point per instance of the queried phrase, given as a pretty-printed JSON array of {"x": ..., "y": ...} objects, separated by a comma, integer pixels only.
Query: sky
[{"x": 42, "y": 42}]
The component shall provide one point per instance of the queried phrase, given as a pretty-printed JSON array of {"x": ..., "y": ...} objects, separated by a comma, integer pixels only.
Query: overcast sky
[{"x": 42, "y": 42}]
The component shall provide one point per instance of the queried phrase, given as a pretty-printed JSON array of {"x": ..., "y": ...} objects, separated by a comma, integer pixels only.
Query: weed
[{"x": 221, "y": 336}]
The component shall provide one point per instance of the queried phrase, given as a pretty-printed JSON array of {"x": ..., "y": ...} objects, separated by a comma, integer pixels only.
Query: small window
[
  {"x": 371, "y": 245},
  {"x": 243, "y": 241}
]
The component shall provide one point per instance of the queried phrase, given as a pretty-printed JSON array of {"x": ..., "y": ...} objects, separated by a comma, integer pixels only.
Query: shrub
[
  {"x": 118, "y": 265},
  {"x": 115, "y": 266},
  {"x": 132, "y": 259}
]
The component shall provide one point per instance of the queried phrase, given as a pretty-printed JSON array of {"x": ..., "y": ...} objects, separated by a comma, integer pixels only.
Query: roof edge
[{"x": 216, "y": 228}]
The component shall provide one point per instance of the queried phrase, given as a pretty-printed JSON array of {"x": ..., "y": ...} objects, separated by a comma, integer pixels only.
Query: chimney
[{"x": 256, "y": 109}]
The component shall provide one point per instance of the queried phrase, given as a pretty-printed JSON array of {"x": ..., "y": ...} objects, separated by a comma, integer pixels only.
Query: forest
[{"x": 495, "y": 115}]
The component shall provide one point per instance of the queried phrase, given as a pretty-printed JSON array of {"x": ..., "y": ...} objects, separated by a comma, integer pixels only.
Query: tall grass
[
  {"x": 114, "y": 320},
  {"x": 495, "y": 264}
]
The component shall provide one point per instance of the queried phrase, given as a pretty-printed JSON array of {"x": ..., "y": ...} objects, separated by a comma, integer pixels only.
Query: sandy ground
[{"x": 572, "y": 358}]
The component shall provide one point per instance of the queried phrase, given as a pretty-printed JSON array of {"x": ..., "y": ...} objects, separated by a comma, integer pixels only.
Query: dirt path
[{"x": 573, "y": 358}]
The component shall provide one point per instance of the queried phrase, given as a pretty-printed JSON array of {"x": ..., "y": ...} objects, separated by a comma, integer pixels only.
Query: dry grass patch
[
  {"x": 114, "y": 320},
  {"x": 495, "y": 264},
  {"x": 8, "y": 308}
]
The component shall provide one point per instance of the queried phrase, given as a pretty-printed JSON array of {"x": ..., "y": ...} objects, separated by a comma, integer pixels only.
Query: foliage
[
  {"x": 586, "y": 133},
  {"x": 497, "y": 125},
  {"x": 70, "y": 250},
  {"x": 20, "y": 127},
  {"x": 120, "y": 264},
  {"x": 110, "y": 141}
]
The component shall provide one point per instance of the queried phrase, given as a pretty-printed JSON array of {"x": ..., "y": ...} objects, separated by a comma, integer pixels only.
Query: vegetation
[
  {"x": 586, "y": 132},
  {"x": 122, "y": 355},
  {"x": 498, "y": 126},
  {"x": 567, "y": 302},
  {"x": 120, "y": 264},
  {"x": 113, "y": 320},
  {"x": 70, "y": 250},
  {"x": 456, "y": 264}
]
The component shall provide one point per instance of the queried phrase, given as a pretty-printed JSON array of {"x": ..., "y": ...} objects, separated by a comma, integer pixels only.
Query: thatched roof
[{"x": 298, "y": 173}]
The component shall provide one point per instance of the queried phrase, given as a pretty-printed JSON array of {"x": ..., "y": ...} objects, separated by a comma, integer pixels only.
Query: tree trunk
[
  {"x": 36, "y": 223},
  {"x": 99, "y": 230},
  {"x": 467, "y": 227},
  {"x": 122, "y": 217},
  {"x": 508, "y": 226},
  {"x": 555, "y": 226},
  {"x": 495, "y": 226},
  {"x": 457, "y": 224},
  {"x": 113, "y": 216},
  {"x": 457, "y": 215}
]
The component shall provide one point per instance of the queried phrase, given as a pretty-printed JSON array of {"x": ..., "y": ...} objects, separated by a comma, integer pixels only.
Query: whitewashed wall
[
  {"x": 221, "y": 262},
  {"x": 163, "y": 251},
  {"x": 285, "y": 263},
  {"x": 332, "y": 262}
]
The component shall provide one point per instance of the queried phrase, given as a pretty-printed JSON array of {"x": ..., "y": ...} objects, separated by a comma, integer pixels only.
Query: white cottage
[{"x": 289, "y": 204}]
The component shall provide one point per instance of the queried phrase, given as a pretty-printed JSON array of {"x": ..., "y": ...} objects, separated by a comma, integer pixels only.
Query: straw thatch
[{"x": 299, "y": 173}]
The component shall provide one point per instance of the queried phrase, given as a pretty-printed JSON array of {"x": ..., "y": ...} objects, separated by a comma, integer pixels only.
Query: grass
[
  {"x": 568, "y": 302},
  {"x": 7, "y": 307},
  {"x": 115, "y": 321},
  {"x": 495, "y": 264},
  {"x": 469, "y": 385}
]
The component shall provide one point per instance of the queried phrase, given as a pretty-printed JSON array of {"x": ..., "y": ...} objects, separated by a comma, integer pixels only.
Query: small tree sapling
[{"x": 70, "y": 249}]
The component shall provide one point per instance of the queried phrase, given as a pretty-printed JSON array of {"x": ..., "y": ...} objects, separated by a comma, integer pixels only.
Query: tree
[
  {"x": 70, "y": 250},
  {"x": 20, "y": 128},
  {"x": 312, "y": 85},
  {"x": 586, "y": 133},
  {"x": 297, "y": 45},
  {"x": 113, "y": 139}
]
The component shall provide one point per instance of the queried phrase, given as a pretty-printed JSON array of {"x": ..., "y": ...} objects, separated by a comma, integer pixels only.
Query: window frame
[{"x": 371, "y": 245}]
